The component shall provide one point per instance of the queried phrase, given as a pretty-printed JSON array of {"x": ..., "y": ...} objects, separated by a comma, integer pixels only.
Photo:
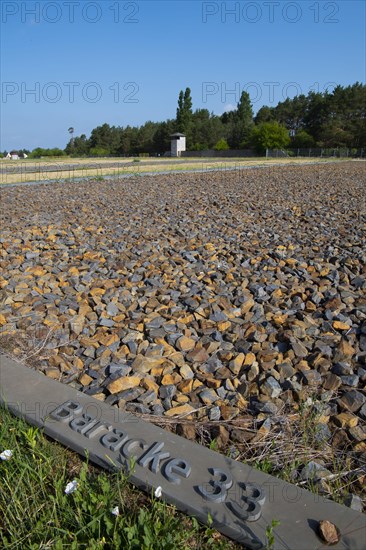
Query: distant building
[
  {"x": 177, "y": 144},
  {"x": 15, "y": 155}
]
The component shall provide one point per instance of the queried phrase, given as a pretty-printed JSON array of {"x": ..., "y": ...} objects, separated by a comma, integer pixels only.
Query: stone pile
[{"x": 211, "y": 296}]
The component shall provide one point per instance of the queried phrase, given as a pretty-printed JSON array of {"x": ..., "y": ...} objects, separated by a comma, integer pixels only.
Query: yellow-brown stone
[
  {"x": 185, "y": 344},
  {"x": 346, "y": 420},
  {"x": 124, "y": 383},
  {"x": 180, "y": 410},
  {"x": 85, "y": 379},
  {"x": 249, "y": 359},
  {"x": 185, "y": 386},
  {"x": 338, "y": 325}
]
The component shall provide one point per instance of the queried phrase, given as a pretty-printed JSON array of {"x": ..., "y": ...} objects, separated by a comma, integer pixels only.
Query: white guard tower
[{"x": 177, "y": 144}]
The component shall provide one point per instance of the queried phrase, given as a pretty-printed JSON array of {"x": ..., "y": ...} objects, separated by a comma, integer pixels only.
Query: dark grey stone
[
  {"x": 107, "y": 323},
  {"x": 137, "y": 408},
  {"x": 271, "y": 387},
  {"x": 214, "y": 413},
  {"x": 167, "y": 391},
  {"x": 112, "y": 309},
  {"x": 354, "y": 502},
  {"x": 115, "y": 370},
  {"x": 148, "y": 397},
  {"x": 351, "y": 380}
]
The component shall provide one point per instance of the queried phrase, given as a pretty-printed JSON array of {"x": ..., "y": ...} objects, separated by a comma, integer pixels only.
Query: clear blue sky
[{"x": 125, "y": 62}]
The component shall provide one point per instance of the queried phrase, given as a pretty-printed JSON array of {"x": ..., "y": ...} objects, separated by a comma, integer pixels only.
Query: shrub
[{"x": 221, "y": 145}]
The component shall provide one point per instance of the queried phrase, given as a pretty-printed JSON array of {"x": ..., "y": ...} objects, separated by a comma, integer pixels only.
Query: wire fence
[{"x": 317, "y": 152}]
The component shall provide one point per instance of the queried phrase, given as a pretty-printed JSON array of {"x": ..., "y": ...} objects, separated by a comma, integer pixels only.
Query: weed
[{"x": 270, "y": 534}]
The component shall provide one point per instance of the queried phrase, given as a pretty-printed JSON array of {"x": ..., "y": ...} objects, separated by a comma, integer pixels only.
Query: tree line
[{"x": 328, "y": 120}]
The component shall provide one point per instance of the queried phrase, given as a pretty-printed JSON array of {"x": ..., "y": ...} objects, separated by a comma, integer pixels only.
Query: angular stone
[
  {"x": 352, "y": 400},
  {"x": 167, "y": 391},
  {"x": 186, "y": 386},
  {"x": 77, "y": 324},
  {"x": 146, "y": 364},
  {"x": 198, "y": 355},
  {"x": 228, "y": 412},
  {"x": 112, "y": 309},
  {"x": 338, "y": 325},
  {"x": 124, "y": 383},
  {"x": 236, "y": 363},
  {"x": 249, "y": 359},
  {"x": 221, "y": 436},
  {"x": 331, "y": 382},
  {"x": 187, "y": 430},
  {"x": 328, "y": 532},
  {"x": 181, "y": 410},
  {"x": 298, "y": 348},
  {"x": 346, "y": 420},
  {"x": 208, "y": 396},
  {"x": 186, "y": 372},
  {"x": 85, "y": 379},
  {"x": 214, "y": 413},
  {"x": 271, "y": 387},
  {"x": 185, "y": 344},
  {"x": 312, "y": 377},
  {"x": 313, "y": 471},
  {"x": 358, "y": 433},
  {"x": 354, "y": 502},
  {"x": 345, "y": 349}
]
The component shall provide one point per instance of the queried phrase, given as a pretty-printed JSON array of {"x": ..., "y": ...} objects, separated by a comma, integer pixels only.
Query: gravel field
[{"x": 219, "y": 296}]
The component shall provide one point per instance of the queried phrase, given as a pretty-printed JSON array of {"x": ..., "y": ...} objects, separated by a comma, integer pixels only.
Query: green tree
[
  {"x": 184, "y": 114},
  {"x": 162, "y": 135},
  {"x": 333, "y": 135},
  {"x": 106, "y": 137},
  {"x": 317, "y": 114},
  {"x": 291, "y": 112},
  {"x": 302, "y": 139},
  {"x": 78, "y": 146},
  {"x": 207, "y": 129},
  {"x": 221, "y": 145},
  {"x": 146, "y": 135},
  {"x": 241, "y": 123},
  {"x": 270, "y": 135},
  {"x": 128, "y": 141},
  {"x": 265, "y": 114}
]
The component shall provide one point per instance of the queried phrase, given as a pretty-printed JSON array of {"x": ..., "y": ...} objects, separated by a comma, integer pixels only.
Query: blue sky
[{"x": 83, "y": 63}]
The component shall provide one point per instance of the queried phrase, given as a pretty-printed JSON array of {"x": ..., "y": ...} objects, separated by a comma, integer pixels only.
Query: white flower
[
  {"x": 115, "y": 511},
  {"x": 158, "y": 492},
  {"x": 71, "y": 487},
  {"x": 6, "y": 455}
]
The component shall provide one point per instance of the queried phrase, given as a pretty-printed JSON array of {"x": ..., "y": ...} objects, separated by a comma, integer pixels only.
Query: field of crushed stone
[{"x": 225, "y": 298}]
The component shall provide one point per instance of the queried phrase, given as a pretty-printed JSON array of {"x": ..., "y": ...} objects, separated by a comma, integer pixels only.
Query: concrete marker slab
[{"x": 242, "y": 501}]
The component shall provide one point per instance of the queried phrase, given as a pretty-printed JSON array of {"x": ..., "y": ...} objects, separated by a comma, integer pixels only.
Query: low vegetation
[{"x": 104, "y": 511}]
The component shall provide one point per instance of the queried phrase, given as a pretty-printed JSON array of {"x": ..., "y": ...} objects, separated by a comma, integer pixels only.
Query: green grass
[{"x": 35, "y": 512}]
